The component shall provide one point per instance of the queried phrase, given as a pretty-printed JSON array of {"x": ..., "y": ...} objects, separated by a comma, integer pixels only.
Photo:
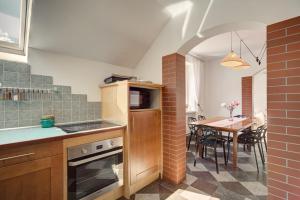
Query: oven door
[{"x": 90, "y": 176}]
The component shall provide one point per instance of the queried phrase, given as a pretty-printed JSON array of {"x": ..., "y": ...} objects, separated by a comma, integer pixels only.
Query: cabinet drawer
[{"x": 29, "y": 152}]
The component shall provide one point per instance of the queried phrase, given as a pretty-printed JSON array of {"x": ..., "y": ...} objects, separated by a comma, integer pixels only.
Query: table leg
[{"x": 234, "y": 151}]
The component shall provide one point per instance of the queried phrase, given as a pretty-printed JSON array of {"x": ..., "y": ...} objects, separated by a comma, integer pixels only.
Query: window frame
[{"x": 19, "y": 48}]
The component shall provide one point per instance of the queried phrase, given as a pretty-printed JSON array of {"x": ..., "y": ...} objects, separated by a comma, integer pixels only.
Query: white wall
[
  {"x": 169, "y": 40},
  {"x": 224, "y": 85},
  {"x": 259, "y": 92},
  {"x": 83, "y": 75}
]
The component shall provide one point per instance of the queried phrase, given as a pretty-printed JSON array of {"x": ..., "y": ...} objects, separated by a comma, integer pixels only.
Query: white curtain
[{"x": 194, "y": 84}]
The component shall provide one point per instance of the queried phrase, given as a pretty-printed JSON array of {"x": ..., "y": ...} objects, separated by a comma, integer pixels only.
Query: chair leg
[
  {"x": 205, "y": 155},
  {"x": 191, "y": 135},
  {"x": 216, "y": 159},
  {"x": 265, "y": 141},
  {"x": 228, "y": 146},
  {"x": 196, "y": 153},
  {"x": 262, "y": 152},
  {"x": 196, "y": 146},
  {"x": 228, "y": 150},
  {"x": 255, "y": 158},
  {"x": 244, "y": 147},
  {"x": 224, "y": 152},
  {"x": 249, "y": 148},
  {"x": 202, "y": 152}
]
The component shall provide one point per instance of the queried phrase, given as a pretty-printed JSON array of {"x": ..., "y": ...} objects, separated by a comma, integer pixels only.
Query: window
[
  {"x": 13, "y": 25},
  {"x": 194, "y": 72}
]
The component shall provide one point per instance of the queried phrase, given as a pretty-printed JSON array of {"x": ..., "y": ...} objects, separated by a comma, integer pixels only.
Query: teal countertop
[{"x": 28, "y": 134}]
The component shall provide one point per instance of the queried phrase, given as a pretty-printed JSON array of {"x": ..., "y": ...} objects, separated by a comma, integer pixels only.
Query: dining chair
[
  {"x": 252, "y": 138},
  {"x": 262, "y": 138},
  {"x": 201, "y": 117},
  {"x": 192, "y": 130},
  {"x": 209, "y": 137},
  {"x": 230, "y": 139}
]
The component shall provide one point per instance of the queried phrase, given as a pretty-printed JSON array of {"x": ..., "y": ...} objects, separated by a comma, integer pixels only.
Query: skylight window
[{"x": 12, "y": 25}]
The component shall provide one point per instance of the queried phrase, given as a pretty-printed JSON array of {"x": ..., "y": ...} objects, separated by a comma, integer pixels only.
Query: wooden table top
[{"x": 234, "y": 128}]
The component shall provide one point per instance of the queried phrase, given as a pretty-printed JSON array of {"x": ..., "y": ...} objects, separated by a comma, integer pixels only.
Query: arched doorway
[
  {"x": 224, "y": 28},
  {"x": 283, "y": 126},
  {"x": 173, "y": 78}
]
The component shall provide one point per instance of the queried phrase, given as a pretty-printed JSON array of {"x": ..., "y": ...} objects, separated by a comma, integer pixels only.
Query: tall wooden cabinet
[
  {"x": 145, "y": 143},
  {"x": 143, "y": 138}
]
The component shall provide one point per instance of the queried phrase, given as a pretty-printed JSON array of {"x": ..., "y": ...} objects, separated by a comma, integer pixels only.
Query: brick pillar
[
  {"x": 174, "y": 133},
  {"x": 283, "y": 75},
  {"x": 247, "y": 96}
]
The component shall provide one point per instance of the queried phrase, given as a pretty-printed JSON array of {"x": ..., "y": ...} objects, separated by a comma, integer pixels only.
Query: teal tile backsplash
[{"x": 65, "y": 106}]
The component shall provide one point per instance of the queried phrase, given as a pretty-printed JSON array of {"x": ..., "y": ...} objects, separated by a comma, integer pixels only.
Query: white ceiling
[
  {"x": 219, "y": 45},
  {"x": 118, "y": 32}
]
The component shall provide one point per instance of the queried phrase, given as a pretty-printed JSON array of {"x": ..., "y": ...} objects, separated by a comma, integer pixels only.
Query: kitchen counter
[
  {"x": 42, "y": 153},
  {"x": 30, "y": 135}
]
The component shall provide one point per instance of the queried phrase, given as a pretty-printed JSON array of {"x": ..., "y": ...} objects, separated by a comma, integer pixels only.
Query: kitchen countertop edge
[{"x": 60, "y": 137}]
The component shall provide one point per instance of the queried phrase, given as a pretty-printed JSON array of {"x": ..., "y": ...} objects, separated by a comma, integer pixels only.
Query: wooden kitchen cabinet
[
  {"x": 145, "y": 143},
  {"x": 33, "y": 179},
  {"x": 142, "y": 138}
]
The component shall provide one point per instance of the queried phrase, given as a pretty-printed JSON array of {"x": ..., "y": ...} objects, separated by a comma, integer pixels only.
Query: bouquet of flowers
[{"x": 231, "y": 106}]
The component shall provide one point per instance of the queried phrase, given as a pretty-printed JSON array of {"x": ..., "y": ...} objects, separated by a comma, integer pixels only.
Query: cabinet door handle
[
  {"x": 17, "y": 156},
  {"x": 76, "y": 163}
]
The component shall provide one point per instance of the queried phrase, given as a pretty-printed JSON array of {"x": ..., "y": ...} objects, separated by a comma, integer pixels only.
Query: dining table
[{"x": 232, "y": 126}]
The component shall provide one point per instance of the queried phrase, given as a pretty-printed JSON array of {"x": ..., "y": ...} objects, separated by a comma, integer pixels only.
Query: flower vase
[{"x": 231, "y": 117}]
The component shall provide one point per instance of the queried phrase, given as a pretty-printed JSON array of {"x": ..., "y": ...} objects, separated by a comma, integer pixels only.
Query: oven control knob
[
  {"x": 112, "y": 143},
  {"x": 84, "y": 151}
]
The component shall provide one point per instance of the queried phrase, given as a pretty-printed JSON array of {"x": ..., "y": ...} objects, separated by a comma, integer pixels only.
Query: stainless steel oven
[{"x": 94, "y": 168}]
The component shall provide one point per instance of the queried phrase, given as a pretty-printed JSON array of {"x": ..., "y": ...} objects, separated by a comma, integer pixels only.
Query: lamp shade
[
  {"x": 244, "y": 65},
  {"x": 231, "y": 60}
]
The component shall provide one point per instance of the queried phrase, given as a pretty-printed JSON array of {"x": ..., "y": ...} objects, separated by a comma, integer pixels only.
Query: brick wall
[
  {"x": 283, "y": 72},
  {"x": 174, "y": 135},
  {"x": 247, "y": 96}
]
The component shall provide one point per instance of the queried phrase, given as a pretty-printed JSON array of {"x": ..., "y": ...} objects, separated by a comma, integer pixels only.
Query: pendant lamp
[
  {"x": 244, "y": 65},
  {"x": 232, "y": 59}
]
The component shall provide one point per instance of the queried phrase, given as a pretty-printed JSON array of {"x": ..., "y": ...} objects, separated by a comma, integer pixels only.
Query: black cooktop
[{"x": 85, "y": 126}]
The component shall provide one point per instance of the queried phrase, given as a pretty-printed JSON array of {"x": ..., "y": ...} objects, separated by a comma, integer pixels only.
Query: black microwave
[{"x": 139, "y": 98}]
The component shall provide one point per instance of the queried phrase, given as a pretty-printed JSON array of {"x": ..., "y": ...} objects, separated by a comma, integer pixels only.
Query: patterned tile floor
[{"x": 203, "y": 183}]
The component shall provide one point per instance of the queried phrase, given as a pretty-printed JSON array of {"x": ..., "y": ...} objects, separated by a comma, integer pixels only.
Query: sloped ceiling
[{"x": 118, "y": 32}]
